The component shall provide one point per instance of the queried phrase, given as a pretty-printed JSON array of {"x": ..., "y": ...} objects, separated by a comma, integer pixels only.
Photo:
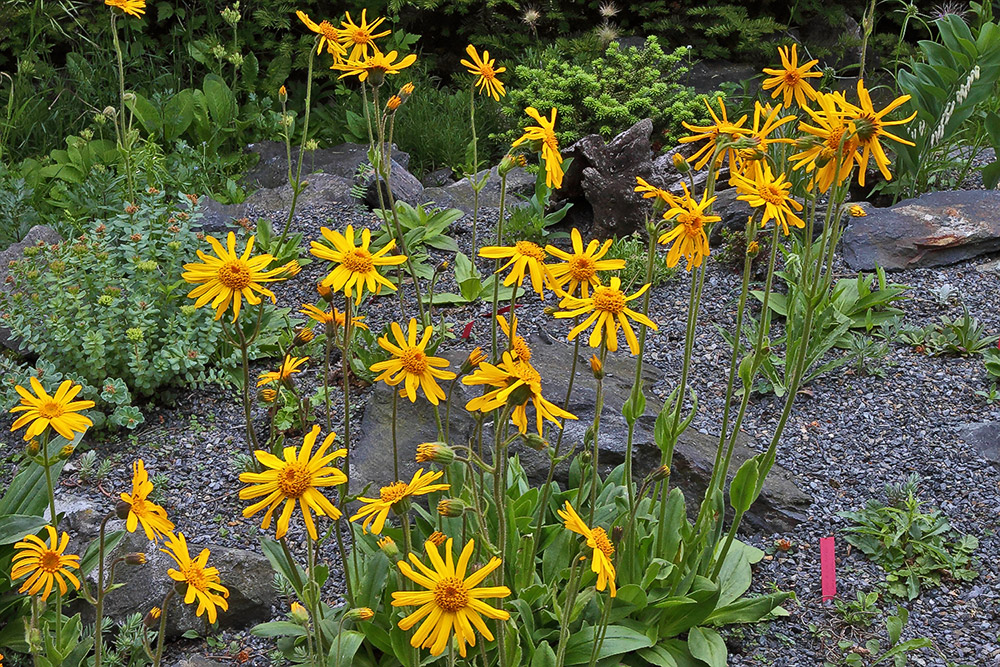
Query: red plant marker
[
  {"x": 467, "y": 330},
  {"x": 828, "y": 568}
]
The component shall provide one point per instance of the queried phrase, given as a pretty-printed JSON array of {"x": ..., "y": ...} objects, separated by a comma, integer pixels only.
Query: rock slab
[
  {"x": 984, "y": 438},
  {"x": 934, "y": 229}
]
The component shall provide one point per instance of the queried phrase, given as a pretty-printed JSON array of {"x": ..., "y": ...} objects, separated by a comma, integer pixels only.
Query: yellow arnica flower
[
  {"x": 545, "y": 134},
  {"x": 60, "y": 410},
  {"x": 296, "y": 479},
  {"x": 357, "y": 267},
  {"x": 485, "y": 68},
  {"x": 141, "y": 510},
  {"x": 289, "y": 365},
  {"x": 721, "y": 129},
  {"x": 134, "y": 7},
  {"x": 597, "y": 539},
  {"x": 523, "y": 255},
  {"x": 579, "y": 268},
  {"x": 765, "y": 121},
  {"x": 329, "y": 36},
  {"x": 519, "y": 348},
  {"x": 452, "y": 600},
  {"x": 46, "y": 563},
  {"x": 870, "y": 126},
  {"x": 411, "y": 363},
  {"x": 376, "y": 66},
  {"x": 376, "y": 510},
  {"x": 608, "y": 308},
  {"x": 203, "y": 583},
  {"x": 791, "y": 80},
  {"x": 518, "y": 380},
  {"x": 689, "y": 237},
  {"x": 359, "y": 37},
  {"x": 228, "y": 277},
  {"x": 831, "y": 136},
  {"x": 652, "y": 192},
  {"x": 334, "y": 317},
  {"x": 772, "y": 194}
]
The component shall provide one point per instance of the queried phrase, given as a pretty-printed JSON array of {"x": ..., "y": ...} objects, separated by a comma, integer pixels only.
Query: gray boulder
[
  {"x": 343, "y": 160},
  {"x": 461, "y": 195},
  {"x": 934, "y": 229},
  {"x": 218, "y": 218},
  {"x": 15, "y": 252},
  {"x": 405, "y": 187},
  {"x": 321, "y": 188},
  {"x": 985, "y": 439}
]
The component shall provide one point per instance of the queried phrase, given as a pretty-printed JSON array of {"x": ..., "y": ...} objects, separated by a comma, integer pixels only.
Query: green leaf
[
  {"x": 742, "y": 490},
  {"x": 343, "y": 648},
  {"x": 544, "y": 656},
  {"x": 178, "y": 114},
  {"x": 276, "y": 555},
  {"x": 14, "y": 527},
  {"x": 618, "y": 639},
  {"x": 278, "y": 629},
  {"x": 749, "y": 610},
  {"x": 146, "y": 114},
  {"x": 706, "y": 645},
  {"x": 220, "y": 100}
]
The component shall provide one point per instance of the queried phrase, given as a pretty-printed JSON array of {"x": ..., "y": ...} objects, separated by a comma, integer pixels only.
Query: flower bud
[
  {"x": 325, "y": 292},
  {"x": 616, "y": 534},
  {"x": 32, "y": 448},
  {"x": 152, "y": 618},
  {"x": 122, "y": 509},
  {"x": 596, "y": 367},
  {"x": 388, "y": 547},
  {"x": 660, "y": 474},
  {"x": 268, "y": 395},
  {"x": 303, "y": 335},
  {"x": 476, "y": 357},
  {"x": 436, "y": 452},
  {"x": 858, "y": 211},
  {"x": 394, "y": 103},
  {"x": 535, "y": 441},
  {"x": 282, "y": 94},
  {"x": 292, "y": 268},
  {"x": 437, "y": 538},
  {"x": 298, "y": 614},
  {"x": 66, "y": 452},
  {"x": 360, "y": 614},
  {"x": 137, "y": 558},
  {"x": 451, "y": 507},
  {"x": 508, "y": 163},
  {"x": 753, "y": 248},
  {"x": 680, "y": 163},
  {"x": 406, "y": 90}
]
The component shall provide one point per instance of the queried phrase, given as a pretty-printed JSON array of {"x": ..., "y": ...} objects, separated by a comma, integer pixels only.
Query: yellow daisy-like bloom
[
  {"x": 831, "y": 135},
  {"x": 519, "y": 348},
  {"x": 411, "y": 363},
  {"x": 485, "y": 68},
  {"x": 46, "y": 563},
  {"x": 597, "y": 539},
  {"x": 59, "y": 411},
  {"x": 334, "y": 317},
  {"x": 858, "y": 211},
  {"x": 141, "y": 510},
  {"x": 296, "y": 479},
  {"x": 359, "y": 37},
  {"x": 720, "y": 130},
  {"x": 329, "y": 36},
  {"x": 765, "y": 121},
  {"x": 376, "y": 510},
  {"x": 228, "y": 278},
  {"x": 608, "y": 307},
  {"x": 452, "y": 600},
  {"x": 870, "y": 127},
  {"x": 791, "y": 80},
  {"x": 773, "y": 194},
  {"x": 289, "y": 365},
  {"x": 203, "y": 583},
  {"x": 690, "y": 239},
  {"x": 517, "y": 379},
  {"x": 579, "y": 268},
  {"x": 648, "y": 191},
  {"x": 545, "y": 134},
  {"x": 357, "y": 267},
  {"x": 524, "y": 255},
  {"x": 135, "y": 8},
  {"x": 376, "y": 66}
]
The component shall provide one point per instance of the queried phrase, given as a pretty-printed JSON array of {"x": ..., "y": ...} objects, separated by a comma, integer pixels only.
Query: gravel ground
[{"x": 847, "y": 438}]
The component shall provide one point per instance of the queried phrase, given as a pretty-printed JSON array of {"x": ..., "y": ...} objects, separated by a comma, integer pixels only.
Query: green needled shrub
[
  {"x": 110, "y": 309},
  {"x": 609, "y": 94}
]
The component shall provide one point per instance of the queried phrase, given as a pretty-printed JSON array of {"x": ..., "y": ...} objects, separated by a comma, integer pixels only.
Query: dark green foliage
[
  {"x": 608, "y": 94},
  {"x": 729, "y": 30}
]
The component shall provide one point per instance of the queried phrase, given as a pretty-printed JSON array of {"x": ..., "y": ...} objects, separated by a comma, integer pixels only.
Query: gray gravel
[{"x": 849, "y": 437}]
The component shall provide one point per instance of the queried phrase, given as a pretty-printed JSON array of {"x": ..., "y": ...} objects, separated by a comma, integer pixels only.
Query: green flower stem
[
  {"x": 245, "y": 358},
  {"x": 499, "y": 489},
  {"x": 496, "y": 266},
  {"x": 395, "y": 448},
  {"x": 53, "y": 517},
  {"x": 572, "y": 586},
  {"x": 345, "y": 367},
  {"x": 331, "y": 329},
  {"x": 314, "y": 598},
  {"x": 297, "y": 183},
  {"x": 404, "y": 519},
  {"x": 163, "y": 627},
  {"x": 122, "y": 131},
  {"x": 598, "y": 408},
  {"x": 447, "y": 411},
  {"x": 475, "y": 166},
  {"x": 601, "y": 632},
  {"x": 99, "y": 604},
  {"x": 343, "y": 559}
]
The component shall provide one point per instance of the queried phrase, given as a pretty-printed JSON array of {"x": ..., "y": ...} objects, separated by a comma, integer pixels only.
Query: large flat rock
[{"x": 932, "y": 230}]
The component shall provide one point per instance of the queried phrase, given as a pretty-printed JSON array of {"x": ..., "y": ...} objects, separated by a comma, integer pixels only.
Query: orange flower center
[
  {"x": 792, "y": 77},
  {"x": 294, "y": 479},
  {"x": 138, "y": 506},
  {"x": 451, "y": 595},
  {"x": 358, "y": 260},
  {"x": 525, "y": 373},
  {"x": 609, "y": 300},
  {"x": 328, "y": 31},
  {"x": 235, "y": 275},
  {"x": 361, "y": 36},
  {"x": 771, "y": 194},
  {"x": 195, "y": 576},
  {"x": 529, "y": 249},
  {"x": 486, "y": 71},
  {"x": 602, "y": 543},
  {"x": 414, "y": 361},
  {"x": 49, "y": 561},
  {"x": 582, "y": 268},
  {"x": 550, "y": 141},
  {"x": 50, "y": 409},
  {"x": 393, "y": 493},
  {"x": 521, "y": 349}
]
